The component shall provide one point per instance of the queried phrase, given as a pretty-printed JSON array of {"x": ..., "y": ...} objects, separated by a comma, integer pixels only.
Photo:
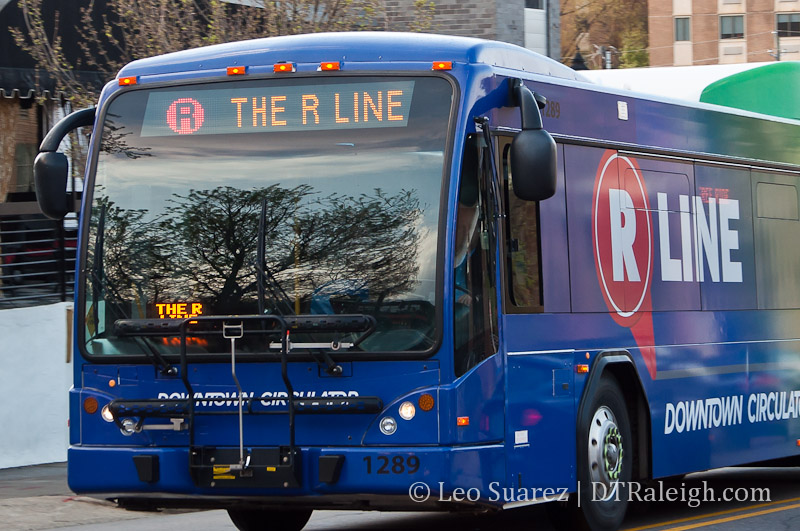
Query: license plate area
[{"x": 273, "y": 467}]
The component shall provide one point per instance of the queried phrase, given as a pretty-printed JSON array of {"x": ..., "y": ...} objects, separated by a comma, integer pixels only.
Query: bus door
[
  {"x": 477, "y": 337},
  {"x": 540, "y": 414}
]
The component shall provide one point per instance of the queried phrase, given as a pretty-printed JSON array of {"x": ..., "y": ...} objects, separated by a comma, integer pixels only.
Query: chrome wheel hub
[{"x": 605, "y": 454}]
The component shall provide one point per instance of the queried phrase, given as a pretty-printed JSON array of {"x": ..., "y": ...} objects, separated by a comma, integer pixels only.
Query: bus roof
[
  {"x": 770, "y": 89},
  {"x": 362, "y": 46}
]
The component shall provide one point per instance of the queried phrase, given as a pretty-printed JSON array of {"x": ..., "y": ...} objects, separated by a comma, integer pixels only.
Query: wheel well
[{"x": 638, "y": 412}]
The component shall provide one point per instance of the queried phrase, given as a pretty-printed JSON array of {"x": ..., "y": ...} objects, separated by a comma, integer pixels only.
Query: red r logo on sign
[
  {"x": 622, "y": 236},
  {"x": 185, "y": 116}
]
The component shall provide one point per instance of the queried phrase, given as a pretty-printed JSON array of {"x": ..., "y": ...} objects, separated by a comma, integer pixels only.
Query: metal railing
[{"x": 37, "y": 259}]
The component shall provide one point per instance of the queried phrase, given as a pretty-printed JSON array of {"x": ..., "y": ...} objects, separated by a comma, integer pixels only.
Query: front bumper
[{"x": 378, "y": 478}]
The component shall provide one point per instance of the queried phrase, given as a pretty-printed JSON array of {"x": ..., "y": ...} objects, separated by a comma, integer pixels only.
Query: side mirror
[
  {"x": 50, "y": 176},
  {"x": 50, "y": 167},
  {"x": 533, "y": 151}
]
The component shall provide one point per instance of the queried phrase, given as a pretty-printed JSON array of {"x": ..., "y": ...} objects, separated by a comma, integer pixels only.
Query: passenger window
[
  {"x": 523, "y": 246},
  {"x": 777, "y": 231},
  {"x": 776, "y": 201}
]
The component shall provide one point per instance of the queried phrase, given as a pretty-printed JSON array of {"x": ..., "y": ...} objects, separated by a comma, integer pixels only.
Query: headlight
[
  {"x": 407, "y": 411},
  {"x": 106, "y": 414},
  {"x": 128, "y": 427},
  {"x": 388, "y": 425}
]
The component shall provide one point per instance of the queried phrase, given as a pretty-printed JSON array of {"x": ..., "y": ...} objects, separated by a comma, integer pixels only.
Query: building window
[
  {"x": 682, "y": 29},
  {"x": 731, "y": 27},
  {"x": 789, "y": 25},
  {"x": 534, "y": 4}
]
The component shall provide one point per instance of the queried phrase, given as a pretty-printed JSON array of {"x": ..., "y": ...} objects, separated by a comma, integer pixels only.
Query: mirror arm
[
  {"x": 529, "y": 104},
  {"x": 82, "y": 118}
]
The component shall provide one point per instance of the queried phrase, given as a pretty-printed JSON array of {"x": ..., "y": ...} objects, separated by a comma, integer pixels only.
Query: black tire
[
  {"x": 605, "y": 459},
  {"x": 268, "y": 519}
]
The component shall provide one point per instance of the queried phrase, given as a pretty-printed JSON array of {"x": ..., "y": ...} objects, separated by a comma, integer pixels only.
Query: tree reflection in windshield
[
  {"x": 360, "y": 239},
  {"x": 204, "y": 247}
]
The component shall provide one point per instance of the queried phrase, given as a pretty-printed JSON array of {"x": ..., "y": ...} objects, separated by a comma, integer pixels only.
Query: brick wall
[
  {"x": 499, "y": 19},
  {"x": 758, "y": 44},
  {"x": 510, "y": 21},
  {"x": 661, "y": 33}
]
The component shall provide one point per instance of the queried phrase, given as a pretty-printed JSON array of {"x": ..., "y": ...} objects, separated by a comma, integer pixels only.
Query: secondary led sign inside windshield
[{"x": 278, "y": 108}]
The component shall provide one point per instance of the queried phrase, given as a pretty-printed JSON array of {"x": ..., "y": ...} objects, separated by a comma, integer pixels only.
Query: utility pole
[{"x": 776, "y": 53}]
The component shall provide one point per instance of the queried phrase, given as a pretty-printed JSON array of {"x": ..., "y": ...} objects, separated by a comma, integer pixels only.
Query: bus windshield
[{"x": 268, "y": 196}]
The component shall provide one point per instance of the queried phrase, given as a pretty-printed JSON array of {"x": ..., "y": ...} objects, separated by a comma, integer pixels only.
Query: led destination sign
[{"x": 278, "y": 108}]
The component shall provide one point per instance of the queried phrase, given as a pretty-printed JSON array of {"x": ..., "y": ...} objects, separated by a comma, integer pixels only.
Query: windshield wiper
[
  {"x": 265, "y": 275},
  {"x": 97, "y": 268}
]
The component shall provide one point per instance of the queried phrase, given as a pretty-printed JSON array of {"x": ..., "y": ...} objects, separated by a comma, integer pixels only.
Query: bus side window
[
  {"x": 522, "y": 244},
  {"x": 475, "y": 301},
  {"x": 777, "y": 231}
]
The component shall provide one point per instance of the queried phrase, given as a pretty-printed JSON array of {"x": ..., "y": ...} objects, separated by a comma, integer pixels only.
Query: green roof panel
[{"x": 770, "y": 89}]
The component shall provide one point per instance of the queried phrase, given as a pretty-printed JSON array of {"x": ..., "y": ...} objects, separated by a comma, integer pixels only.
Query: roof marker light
[
  {"x": 283, "y": 68},
  {"x": 127, "y": 81},
  {"x": 237, "y": 70},
  {"x": 443, "y": 65},
  {"x": 330, "y": 66}
]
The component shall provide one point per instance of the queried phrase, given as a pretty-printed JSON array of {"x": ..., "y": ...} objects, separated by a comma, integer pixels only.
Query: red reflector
[
  {"x": 282, "y": 68},
  {"x": 443, "y": 65},
  {"x": 237, "y": 70},
  {"x": 125, "y": 81},
  {"x": 333, "y": 65},
  {"x": 462, "y": 421}
]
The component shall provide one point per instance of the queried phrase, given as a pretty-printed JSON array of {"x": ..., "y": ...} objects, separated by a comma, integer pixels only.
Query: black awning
[
  {"x": 30, "y": 82},
  {"x": 25, "y": 83}
]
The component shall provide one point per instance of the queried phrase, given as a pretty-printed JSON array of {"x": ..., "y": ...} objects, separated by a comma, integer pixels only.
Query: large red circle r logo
[{"x": 622, "y": 237}]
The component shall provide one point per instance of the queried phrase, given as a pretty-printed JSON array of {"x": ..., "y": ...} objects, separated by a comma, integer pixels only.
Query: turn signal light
[
  {"x": 426, "y": 402},
  {"x": 90, "y": 405},
  {"x": 582, "y": 369},
  {"x": 127, "y": 81}
]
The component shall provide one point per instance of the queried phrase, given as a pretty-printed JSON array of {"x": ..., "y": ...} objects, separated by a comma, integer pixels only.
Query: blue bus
[{"x": 415, "y": 272}]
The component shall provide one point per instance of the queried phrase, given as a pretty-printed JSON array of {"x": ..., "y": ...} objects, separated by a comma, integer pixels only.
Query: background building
[
  {"x": 37, "y": 255},
  {"x": 534, "y": 24},
  {"x": 704, "y": 32}
]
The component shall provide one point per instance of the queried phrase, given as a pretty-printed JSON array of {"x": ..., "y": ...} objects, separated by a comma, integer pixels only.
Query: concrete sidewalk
[
  {"x": 36, "y": 498},
  {"x": 37, "y": 480}
]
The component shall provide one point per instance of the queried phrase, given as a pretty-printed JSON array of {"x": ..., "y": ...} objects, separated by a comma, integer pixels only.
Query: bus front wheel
[
  {"x": 605, "y": 457},
  {"x": 269, "y": 520}
]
